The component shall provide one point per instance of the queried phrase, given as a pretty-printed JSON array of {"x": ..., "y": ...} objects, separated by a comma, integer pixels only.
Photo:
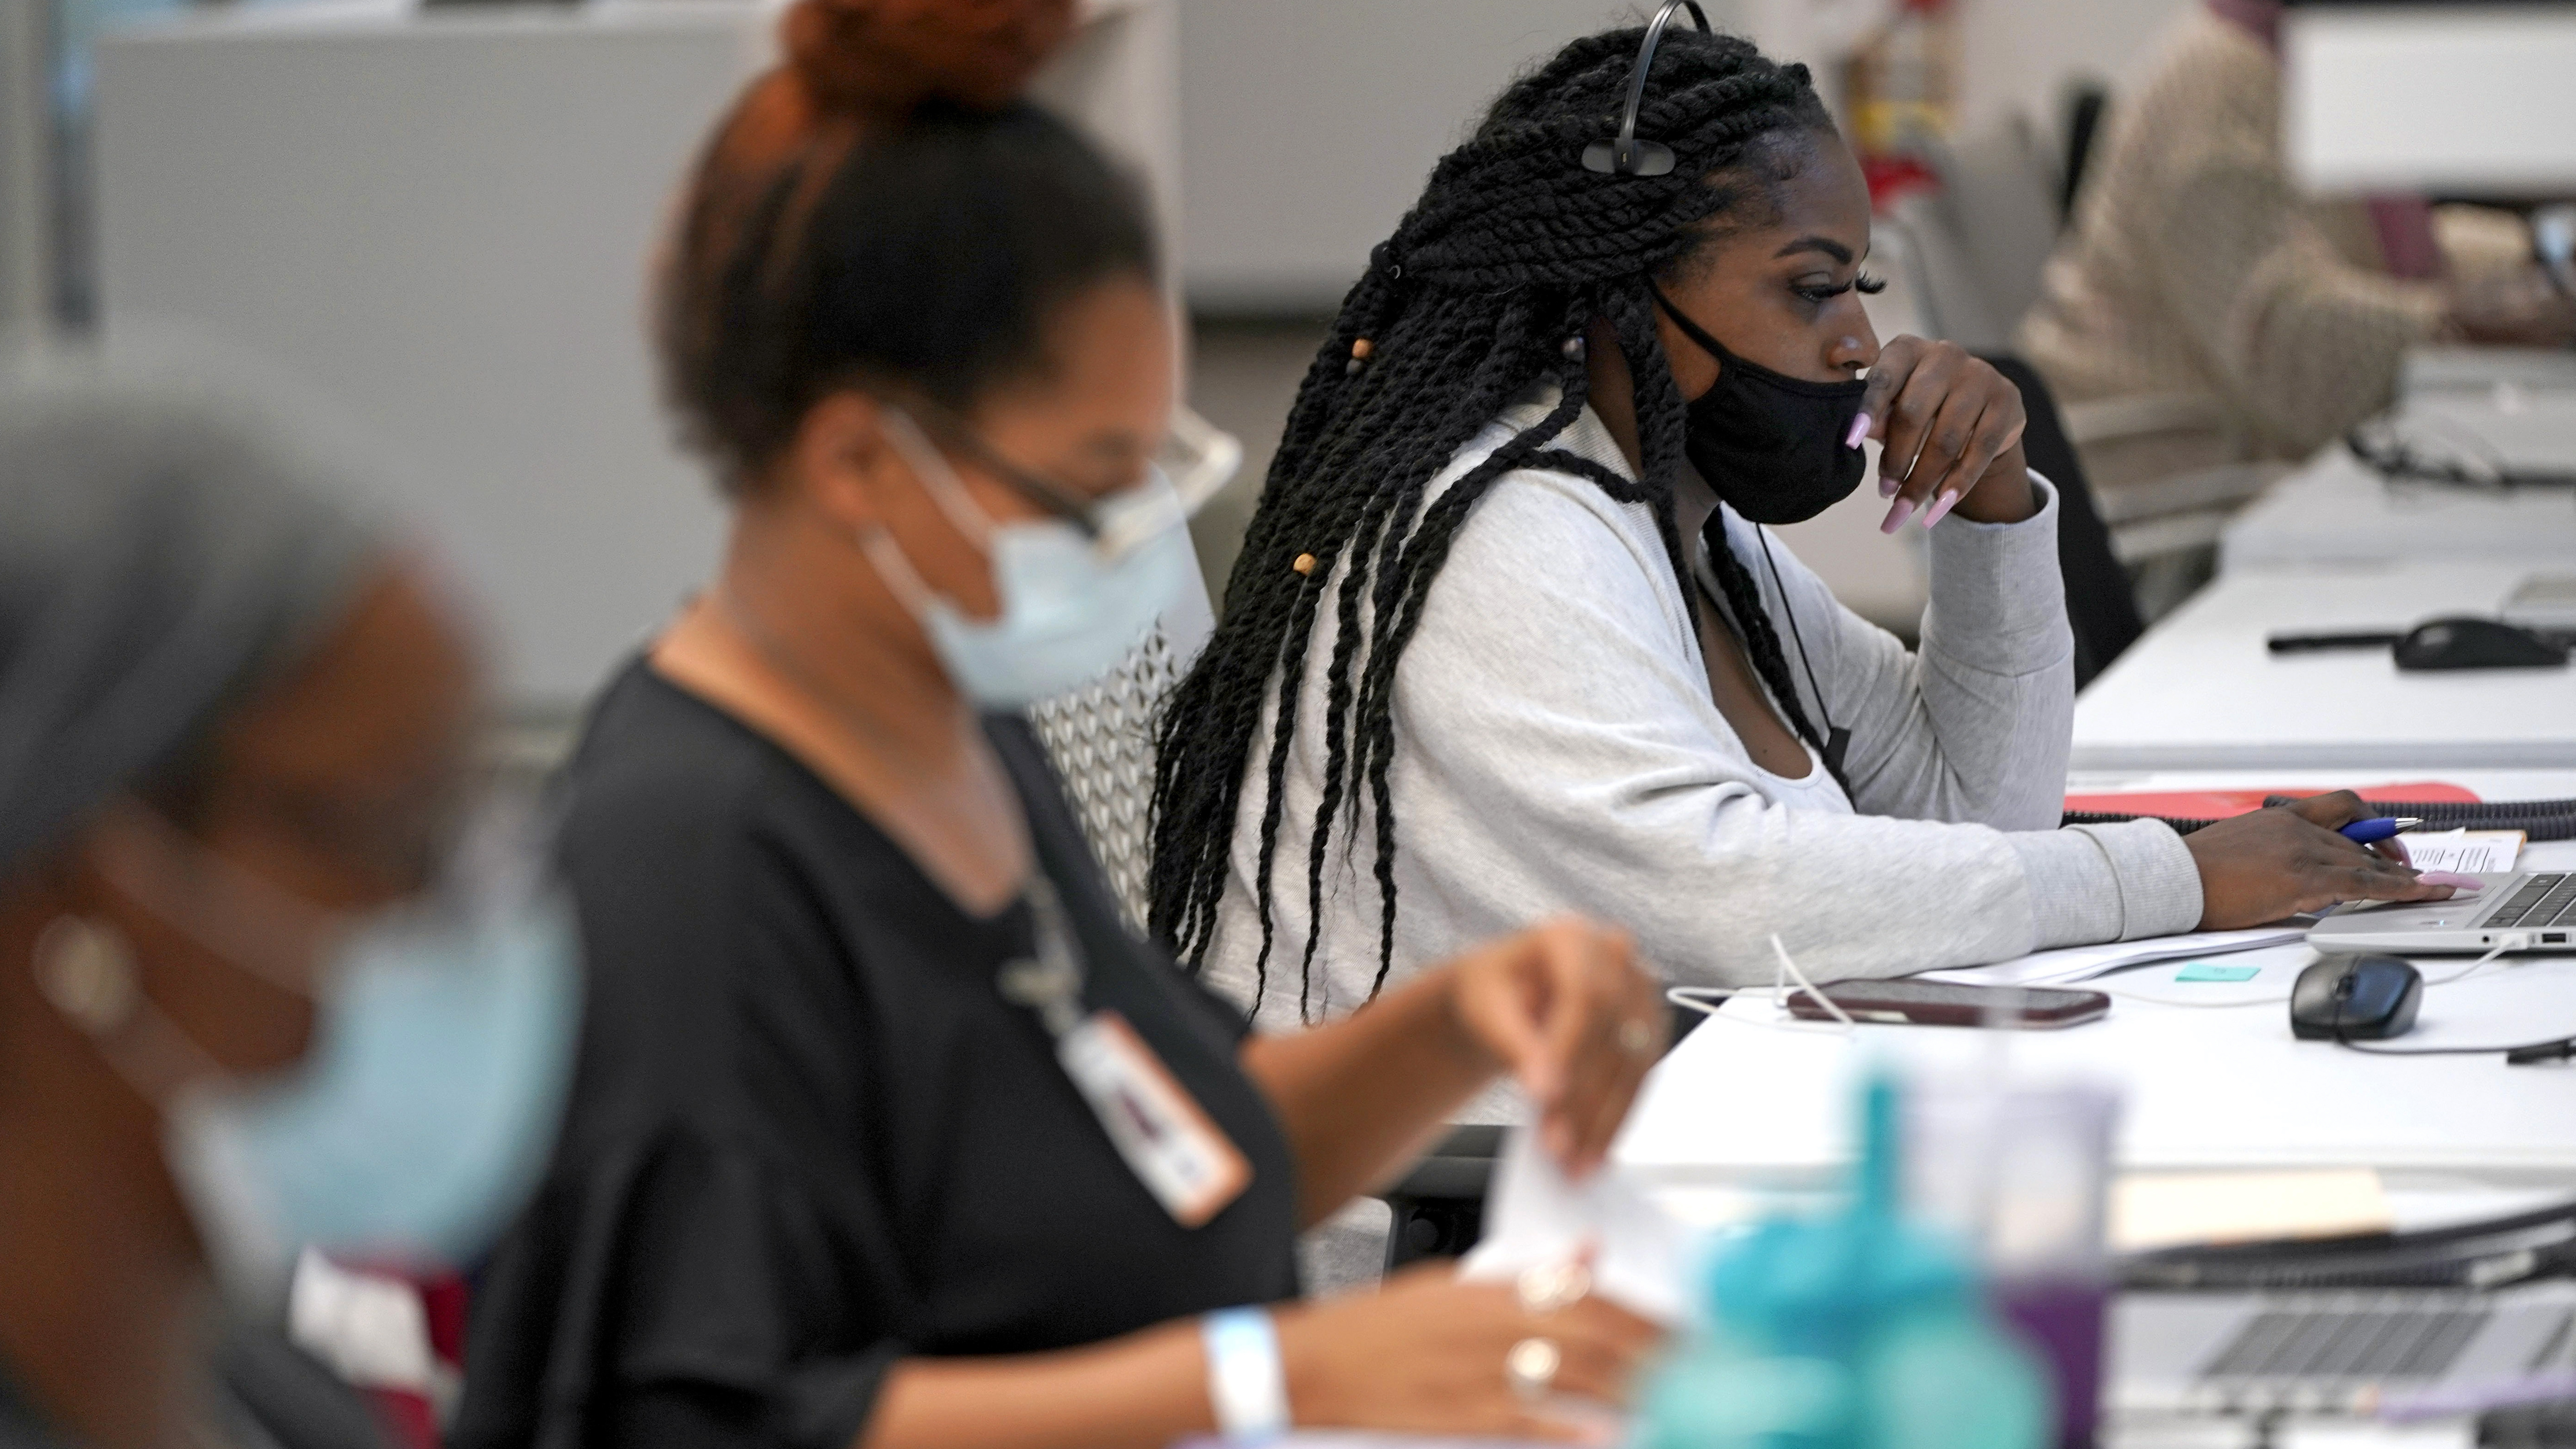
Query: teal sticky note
[{"x": 2212, "y": 971}]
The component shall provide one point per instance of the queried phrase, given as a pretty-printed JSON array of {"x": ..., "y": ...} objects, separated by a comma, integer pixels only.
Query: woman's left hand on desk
[
  {"x": 2273, "y": 864},
  {"x": 1566, "y": 1009}
]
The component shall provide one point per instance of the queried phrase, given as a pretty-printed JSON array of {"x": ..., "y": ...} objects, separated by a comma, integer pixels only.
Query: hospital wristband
[{"x": 1246, "y": 1385}]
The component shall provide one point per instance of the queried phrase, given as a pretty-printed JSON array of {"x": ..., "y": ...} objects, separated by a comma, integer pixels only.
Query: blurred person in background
[
  {"x": 246, "y": 1005},
  {"x": 2198, "y": 270},
  {"x": 887, "y": 1131}
]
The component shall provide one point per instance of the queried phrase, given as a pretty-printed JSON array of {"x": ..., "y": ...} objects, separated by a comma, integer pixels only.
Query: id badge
[{"x": 1181, "y": 1156}]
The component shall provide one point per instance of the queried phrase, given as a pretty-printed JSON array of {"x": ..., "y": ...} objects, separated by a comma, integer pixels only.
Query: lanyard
[
  {"x": 1049, "y": 983},
  {"x": 1180, "y": 1155}
]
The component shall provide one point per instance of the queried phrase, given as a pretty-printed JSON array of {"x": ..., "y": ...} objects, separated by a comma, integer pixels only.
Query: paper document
[
  {"x": 1643, "y": 1259},
  {"x": 2072, "y": 964},
  {"x": 2471, "y": 852},
  {"x": 2169, "y": 1209}
]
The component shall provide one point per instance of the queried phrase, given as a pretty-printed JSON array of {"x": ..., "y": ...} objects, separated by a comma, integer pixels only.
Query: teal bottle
[{"x": 1856, "y": 1330}]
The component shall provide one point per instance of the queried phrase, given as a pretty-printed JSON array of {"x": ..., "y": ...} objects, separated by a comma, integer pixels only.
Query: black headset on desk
[{"x": 2388, "y": 453}]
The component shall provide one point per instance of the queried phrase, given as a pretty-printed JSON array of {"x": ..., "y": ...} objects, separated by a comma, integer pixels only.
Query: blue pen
[{"x": 2378, "y": 828}]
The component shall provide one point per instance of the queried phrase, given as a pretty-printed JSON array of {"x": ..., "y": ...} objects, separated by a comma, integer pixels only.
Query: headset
[{"x": 1629, "y": 156}]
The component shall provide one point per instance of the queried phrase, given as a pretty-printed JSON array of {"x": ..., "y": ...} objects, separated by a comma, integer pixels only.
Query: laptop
[
  {"x": 2334, "y": 1353},
  {"x": 2533, "y": 910}
]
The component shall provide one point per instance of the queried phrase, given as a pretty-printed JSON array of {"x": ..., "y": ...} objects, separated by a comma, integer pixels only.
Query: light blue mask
[
  {"x": 1071, "y": 608},
  {"x": 419, "y": 1119},
  {"x": 426, "y": 1105}
]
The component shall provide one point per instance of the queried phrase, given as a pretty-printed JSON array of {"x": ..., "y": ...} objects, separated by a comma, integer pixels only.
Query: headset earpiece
[{"x": 1628, "y": 156}]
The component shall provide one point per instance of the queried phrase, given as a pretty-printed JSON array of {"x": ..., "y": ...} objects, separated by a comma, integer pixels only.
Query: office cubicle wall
[{"x": 443, "y": 221}]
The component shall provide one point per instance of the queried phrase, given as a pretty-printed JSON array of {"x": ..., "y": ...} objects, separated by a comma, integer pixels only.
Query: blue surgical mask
[
  {"x": 1072, "y": 606},
  {"x": 426, "y": 1105}
]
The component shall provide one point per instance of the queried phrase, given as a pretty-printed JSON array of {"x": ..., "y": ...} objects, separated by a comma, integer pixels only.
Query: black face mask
[{"x": 1771, "y": 446}]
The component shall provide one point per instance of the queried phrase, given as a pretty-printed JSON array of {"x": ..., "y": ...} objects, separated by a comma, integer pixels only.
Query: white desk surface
[
  {"x": 2200, "y": 691},
  {"x": 2334, "y": 510},
  {"x": 2337, "y": 511},
  {"x": 1745, "y": 1104}
]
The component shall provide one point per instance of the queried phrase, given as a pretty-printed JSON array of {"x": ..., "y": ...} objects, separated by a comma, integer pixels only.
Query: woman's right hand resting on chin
[
  {"x": 2289, "y": 860},
  {"x": 1425, "y": 1353}
]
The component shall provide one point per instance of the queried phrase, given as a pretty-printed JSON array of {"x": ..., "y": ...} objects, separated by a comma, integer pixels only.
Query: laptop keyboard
[
  {"x": 2347, "y": 1353},
  {"x": 2544, "y": 899},
  {"x": 2409, "y": 1341}
]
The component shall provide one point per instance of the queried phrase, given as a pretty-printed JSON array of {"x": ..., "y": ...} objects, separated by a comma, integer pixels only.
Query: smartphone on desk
[{"x": 1943, "y": 1003}]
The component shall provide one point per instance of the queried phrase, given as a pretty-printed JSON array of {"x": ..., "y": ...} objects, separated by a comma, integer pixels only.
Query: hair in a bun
[
  {"x": 886, "y": 57},
  {"x": 880, "y": 210}
]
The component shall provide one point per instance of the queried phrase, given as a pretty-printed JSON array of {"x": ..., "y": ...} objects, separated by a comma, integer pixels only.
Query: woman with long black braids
[{"x": 1506, "y": 635}]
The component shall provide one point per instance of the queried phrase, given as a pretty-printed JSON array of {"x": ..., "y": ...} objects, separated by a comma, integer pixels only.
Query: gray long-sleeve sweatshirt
[{"x": 1556, "y": 749}]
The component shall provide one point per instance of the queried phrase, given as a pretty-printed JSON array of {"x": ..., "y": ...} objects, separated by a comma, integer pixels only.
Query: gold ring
[{"x": 1531, "y": 1366}]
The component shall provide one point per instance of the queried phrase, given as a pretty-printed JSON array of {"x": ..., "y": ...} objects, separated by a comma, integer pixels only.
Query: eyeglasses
[{"x": 1196, "y": 460}]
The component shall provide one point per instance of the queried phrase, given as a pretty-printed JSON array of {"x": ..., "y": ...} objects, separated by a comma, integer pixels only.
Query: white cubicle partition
[
  {"x": 2438, "y": 98},
  {"x": 443, "y": 220}
]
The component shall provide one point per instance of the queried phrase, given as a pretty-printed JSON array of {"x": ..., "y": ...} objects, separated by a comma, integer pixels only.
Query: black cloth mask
[{"x": 1771, "y": 446}]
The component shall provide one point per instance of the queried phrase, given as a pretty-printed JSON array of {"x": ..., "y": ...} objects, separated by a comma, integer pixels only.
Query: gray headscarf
[{"x": 166, "y": 545}]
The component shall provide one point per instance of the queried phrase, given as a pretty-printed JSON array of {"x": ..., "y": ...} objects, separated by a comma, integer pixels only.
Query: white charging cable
[
  {"x": 2472, "y": 969},
  {"x": 1706, "y": 999}
]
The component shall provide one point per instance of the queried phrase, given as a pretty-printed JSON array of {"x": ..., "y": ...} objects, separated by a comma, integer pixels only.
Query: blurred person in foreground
[
  {"x": 2197, "y": 269},
  {"x": 247, "y": 1005},
  {"x": 887, "y": 1131}
]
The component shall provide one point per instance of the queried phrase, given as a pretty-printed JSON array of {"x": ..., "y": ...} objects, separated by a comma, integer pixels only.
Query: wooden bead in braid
[
  {"x": 1385, "y": 511},
  {"x": 1432, "y": 542}
]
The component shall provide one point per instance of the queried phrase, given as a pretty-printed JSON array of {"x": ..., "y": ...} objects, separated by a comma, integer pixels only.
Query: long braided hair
[{"x": 1486, "y": 288}]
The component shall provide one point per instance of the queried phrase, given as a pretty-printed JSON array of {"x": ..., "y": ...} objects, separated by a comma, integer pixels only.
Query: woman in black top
[{"x": 829, "y": 1177}]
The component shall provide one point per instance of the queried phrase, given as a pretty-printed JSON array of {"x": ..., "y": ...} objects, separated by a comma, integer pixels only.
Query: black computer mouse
[
  {"x": 2468, "y": 642},
  {"x": 2355, "y": 998}
]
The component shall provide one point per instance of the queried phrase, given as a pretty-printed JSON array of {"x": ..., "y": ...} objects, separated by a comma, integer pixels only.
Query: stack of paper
[
  {"x": 2470, "y": 852},
  {"x": 2082, "y": 963},
  {"x": 1640, "y": 1255}
]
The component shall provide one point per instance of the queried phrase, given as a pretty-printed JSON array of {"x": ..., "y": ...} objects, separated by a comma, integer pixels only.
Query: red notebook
[{"x": 2219, "y": 804}]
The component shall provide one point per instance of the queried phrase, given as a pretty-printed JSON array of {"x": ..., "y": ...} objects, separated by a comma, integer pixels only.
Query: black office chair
[
  {"x": 1438, "y": 1211},
  {"x": 2100, "y": 603},
  {"x": 2086, "y": 100}
]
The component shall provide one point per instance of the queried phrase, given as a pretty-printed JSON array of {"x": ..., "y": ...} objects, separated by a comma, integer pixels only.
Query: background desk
[
  {"x": 2335, "y": 510},
  {"x": 2201, "y": 691}
]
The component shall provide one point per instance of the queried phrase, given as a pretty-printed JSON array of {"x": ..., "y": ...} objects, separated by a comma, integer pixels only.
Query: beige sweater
[{"x": 2197, "y": 267}]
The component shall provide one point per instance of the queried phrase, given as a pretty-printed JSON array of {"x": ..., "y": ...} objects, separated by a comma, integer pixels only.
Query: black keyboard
[{"x": 2543, "y": 899}]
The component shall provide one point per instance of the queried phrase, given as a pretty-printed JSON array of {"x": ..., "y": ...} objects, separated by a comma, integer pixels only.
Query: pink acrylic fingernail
[
  {"x": 1941, "y": 507},
  {"x": 1859, "y": 430},
  {"x": 2453, "y": 879},
  {"x": 1897, "y": 513},
  {"x": 1887, "y": 486}
]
